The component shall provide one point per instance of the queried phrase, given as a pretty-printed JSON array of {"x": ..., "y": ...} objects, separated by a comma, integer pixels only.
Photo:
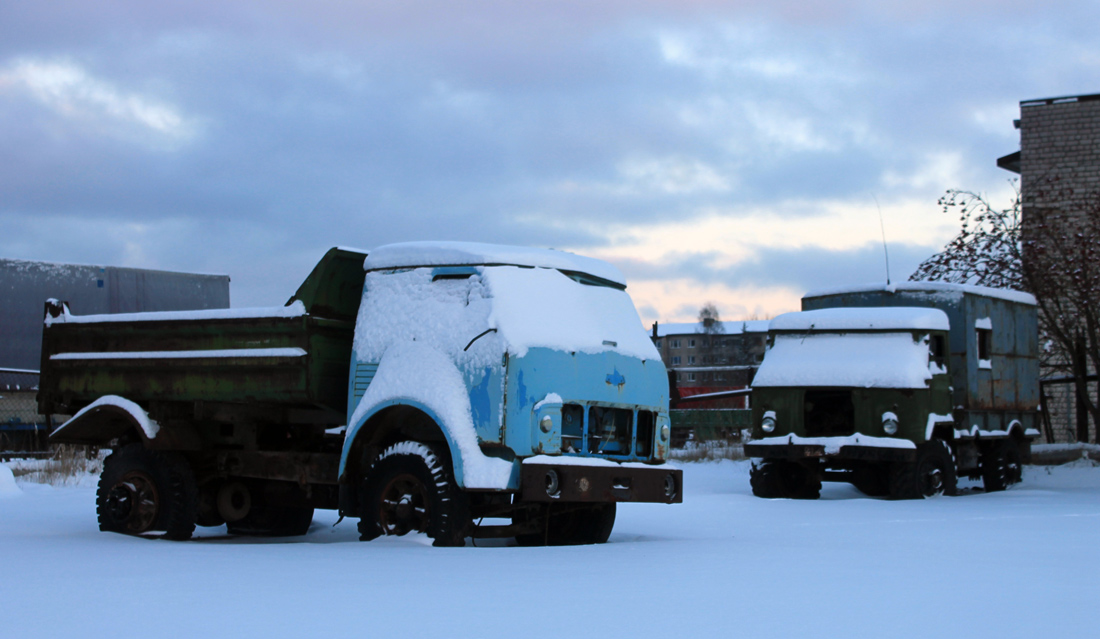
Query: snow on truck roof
[
  {"x": 933, "y": 287},
  {"x": 414, "y": 254},
  {"x": 863, "y": 319}
]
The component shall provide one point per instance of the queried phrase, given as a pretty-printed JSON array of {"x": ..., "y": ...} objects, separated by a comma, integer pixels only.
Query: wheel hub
[
  {"x": 134, "y": 503},
  {"x": 404, "y": 506}
]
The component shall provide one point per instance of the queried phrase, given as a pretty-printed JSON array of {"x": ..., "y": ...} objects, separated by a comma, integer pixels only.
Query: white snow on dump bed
[
  {"x": 297, "y": 309},
  {"x": 945, "y": 288},
  {"x": 413, "y": 254},
  {"x": 855, "y": 360},
  {"x": 855, "y": 319}
]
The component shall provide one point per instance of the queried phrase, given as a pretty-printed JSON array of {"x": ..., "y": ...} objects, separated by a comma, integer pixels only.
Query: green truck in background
[{"x": 897, "y": 390}]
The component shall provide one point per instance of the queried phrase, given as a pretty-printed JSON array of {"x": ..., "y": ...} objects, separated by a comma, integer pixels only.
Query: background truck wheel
[
  {"x": 933, "y": 473},
  {"x": 872, "y": 480},
  {"x": 572, "y": 525},
  {"x": 774, "y": 479},
  {"x": 406, "y": 490},
  {"x": 141, "y": 490},
  {"x": 1002, "y": 465}
]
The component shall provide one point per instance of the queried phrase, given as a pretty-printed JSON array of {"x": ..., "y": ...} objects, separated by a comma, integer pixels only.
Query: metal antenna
[{"x": 882, "y": 226}]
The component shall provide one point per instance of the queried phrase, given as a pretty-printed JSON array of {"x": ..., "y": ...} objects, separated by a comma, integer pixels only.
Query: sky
[{"x": 739, "y": 153}]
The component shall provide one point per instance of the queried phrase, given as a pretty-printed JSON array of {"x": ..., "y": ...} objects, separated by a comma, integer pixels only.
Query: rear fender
[{"x": 112, "y": 417}]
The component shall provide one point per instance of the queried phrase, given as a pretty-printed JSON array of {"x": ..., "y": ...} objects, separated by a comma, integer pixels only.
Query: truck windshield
[
  {"x": 856, "y": 360},
  {"x": 546, "y": 308}
]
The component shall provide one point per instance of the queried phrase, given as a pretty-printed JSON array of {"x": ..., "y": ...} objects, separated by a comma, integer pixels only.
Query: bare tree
[
  {"x": 988, "y": 249},
  {"x": 713, "y": 330},
  {"x": 1054, "y": 254}
]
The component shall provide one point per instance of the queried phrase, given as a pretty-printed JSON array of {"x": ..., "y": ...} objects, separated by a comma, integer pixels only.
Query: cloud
[
  {"x": 73, "y": 94},
  {"x": 715, "y": 150}
]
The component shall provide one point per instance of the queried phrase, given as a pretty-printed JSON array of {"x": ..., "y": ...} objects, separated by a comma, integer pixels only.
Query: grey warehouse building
[
  {"x": 90, "y": 290},
  {"x": 26, "y": 285}
]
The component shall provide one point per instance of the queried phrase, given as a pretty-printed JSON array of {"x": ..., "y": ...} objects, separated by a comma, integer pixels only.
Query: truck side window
[
  {"x": 985, "y": 336},
  {"x": 937, "y": 349}
]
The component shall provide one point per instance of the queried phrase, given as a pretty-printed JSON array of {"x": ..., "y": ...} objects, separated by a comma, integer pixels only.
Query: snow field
[{"x": 1024, "y": 562}]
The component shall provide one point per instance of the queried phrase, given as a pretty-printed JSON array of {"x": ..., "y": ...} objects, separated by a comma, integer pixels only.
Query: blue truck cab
[{"x": 500, "y": 384}]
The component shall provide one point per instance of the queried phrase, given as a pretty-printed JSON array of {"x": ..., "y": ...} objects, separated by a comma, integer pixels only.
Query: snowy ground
[{"x": 1025, "y": 562}]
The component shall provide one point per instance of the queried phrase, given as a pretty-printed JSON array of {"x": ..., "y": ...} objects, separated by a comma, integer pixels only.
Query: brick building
[
  {"x": 1059, "y": 168},
  {"x": 711, "y": 358}
]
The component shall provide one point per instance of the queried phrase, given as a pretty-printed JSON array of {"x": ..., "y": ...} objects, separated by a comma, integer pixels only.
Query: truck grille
[
  {"x": 829, "y": 413},
  {"x": 607, "y": 431}
]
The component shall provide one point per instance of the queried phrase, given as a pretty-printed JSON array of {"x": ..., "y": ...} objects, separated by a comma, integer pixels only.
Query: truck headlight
[
  {"x": 546, "y": 423},
  {"x": 768, "y": 423},
  {"x": 664, "y": 433},
  {"x": 889, "y": 423}
]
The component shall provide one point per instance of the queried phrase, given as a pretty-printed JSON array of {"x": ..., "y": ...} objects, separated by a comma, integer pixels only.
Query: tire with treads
[
  {"x": 142, "y": 491},
  {"x": 778, "y": 479},
  {"x": 408, "y": 489},
  {"x": 932, "y": 473},
  {"x": 1001, "y": 465}
]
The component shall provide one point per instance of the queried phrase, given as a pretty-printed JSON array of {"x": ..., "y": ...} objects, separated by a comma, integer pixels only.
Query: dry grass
[
  {"x": 68, "y": 465},
  {"x": 708, "y": 451}
]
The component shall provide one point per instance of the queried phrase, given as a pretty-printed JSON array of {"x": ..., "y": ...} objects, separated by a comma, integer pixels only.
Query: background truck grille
[{"x": 829, "y": 413}]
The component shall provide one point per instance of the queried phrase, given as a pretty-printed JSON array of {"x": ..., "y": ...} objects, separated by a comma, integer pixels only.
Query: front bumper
[
  {"x": 797, "y": 452},
  {"x": 548, "y": 481}
]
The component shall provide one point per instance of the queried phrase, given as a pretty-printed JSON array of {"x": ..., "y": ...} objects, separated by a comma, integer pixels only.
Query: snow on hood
[
  {"x": 858, "y": 318},
  {"x": 414, "y": 254},
  {"x": 867, "y": 360},
  {"x": 935, "y": 287}
]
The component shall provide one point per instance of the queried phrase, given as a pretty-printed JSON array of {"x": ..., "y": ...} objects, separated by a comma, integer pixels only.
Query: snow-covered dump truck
[
  {"x": 423, "y": 387},
  {"x": 898, "y": 390}
]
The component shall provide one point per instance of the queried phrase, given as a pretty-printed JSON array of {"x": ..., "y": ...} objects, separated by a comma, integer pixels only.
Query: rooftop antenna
[{"x": 882, "y": 226}]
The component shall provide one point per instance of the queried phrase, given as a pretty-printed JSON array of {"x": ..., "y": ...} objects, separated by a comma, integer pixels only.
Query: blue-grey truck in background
[{"x": 453, "y": 389}]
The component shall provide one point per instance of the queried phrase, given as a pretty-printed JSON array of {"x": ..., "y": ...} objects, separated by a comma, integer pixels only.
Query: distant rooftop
[
  {"x": 731, "y": 327},
  {"x": 1062, "y": 100}
]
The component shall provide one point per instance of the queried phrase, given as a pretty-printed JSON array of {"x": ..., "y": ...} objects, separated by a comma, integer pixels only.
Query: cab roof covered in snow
[
  {"x": 933, "y": 287},
  {"x": 417, "y": 254},
  {"x": 863, "y": 319}
]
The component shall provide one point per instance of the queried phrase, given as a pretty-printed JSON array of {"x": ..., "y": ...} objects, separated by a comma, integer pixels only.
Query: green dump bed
[{"x": 292, "y": 356}]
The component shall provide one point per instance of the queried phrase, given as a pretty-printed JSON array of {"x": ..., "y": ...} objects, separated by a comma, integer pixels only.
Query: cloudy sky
[{"x": 737, "y": 152}]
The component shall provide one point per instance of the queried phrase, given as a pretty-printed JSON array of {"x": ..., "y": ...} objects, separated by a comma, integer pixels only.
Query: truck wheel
[
  {"x": 573, "y": 525},
  {"x": 777, "y": 479},
  {"x": 872, "y": 480},
  {"x": 1002, "y": 465},
  {"x": 406, "y": 490},
  {"x": 273, "y": 521},
  {"x": 932, "y": 474},
  {"x": 141, "y": 490}
]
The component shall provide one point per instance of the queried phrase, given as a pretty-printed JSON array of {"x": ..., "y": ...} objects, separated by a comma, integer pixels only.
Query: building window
[
  {"x": 657, "y": 343},
  {"x": 676, "y": 360},
  {"x": 691, "y": 343},
  {"x": 691, "y": 359},
  {"x": 691, "y": 377},
  {"x": 675, "y": 343}
]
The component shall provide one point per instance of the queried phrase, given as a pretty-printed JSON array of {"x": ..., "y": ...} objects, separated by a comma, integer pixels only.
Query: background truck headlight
[{"x": 889, "y": 423}]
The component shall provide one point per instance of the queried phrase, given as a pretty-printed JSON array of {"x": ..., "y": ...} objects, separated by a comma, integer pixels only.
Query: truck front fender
[{"x": 416, "y": 375}]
